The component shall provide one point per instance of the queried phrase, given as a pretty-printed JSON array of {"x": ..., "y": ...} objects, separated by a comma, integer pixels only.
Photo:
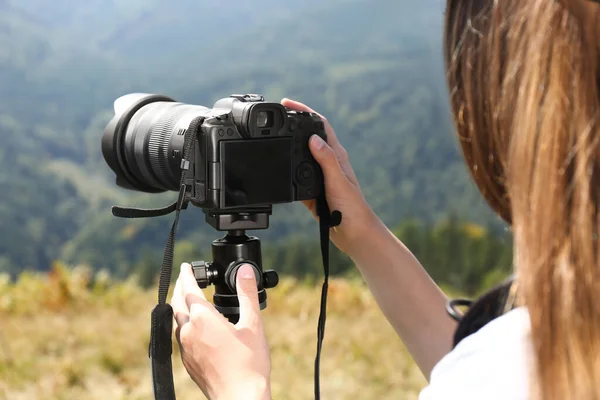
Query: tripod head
[{"x": 229, "y": 254}]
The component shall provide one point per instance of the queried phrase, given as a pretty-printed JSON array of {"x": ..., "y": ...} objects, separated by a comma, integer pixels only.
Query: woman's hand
[
  {"x": 341, "y": 187},
  {"x": 226, "y": 361},
  {"x": 408, "y": 297}
]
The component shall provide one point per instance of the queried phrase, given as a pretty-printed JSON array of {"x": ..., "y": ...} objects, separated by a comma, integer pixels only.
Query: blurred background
[{"x": 77, "y": 285}]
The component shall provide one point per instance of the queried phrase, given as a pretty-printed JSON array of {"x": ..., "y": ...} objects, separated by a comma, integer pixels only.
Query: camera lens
[
  {"x": 143, "y": 143},
  {"x": 264, "y": 119}
]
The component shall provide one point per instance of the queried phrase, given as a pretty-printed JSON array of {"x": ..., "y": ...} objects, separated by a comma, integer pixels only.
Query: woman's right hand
[
  {"x": 341, "y": 187},
  {"x": 406, "y": 294}
]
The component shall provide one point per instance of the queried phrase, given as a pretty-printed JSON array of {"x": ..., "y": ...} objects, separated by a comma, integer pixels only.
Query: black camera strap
[
  {"x": 327, "y": 221},
  {"x": 160, "y": 346},
  {"x": 490, "y": 305}
]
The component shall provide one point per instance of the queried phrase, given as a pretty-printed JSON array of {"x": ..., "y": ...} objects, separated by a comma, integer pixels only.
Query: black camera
[
  {"x": 249, "y": 154},
  {"x": 244, "y": 155}
]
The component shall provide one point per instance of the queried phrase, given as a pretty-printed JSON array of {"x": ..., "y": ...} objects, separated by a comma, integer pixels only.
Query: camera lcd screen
[{"x": 257, "y": 172}]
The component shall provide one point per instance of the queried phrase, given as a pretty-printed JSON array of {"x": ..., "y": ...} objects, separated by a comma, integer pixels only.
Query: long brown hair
[{"x": 524, "y": 90}]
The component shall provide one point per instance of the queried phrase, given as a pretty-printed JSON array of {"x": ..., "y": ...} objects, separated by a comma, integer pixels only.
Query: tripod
[{"x": 229, "y": 254}]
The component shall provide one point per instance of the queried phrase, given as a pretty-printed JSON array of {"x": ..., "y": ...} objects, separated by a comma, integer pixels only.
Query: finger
[
  {"x": 335, "y": 178},
  {"x": 312, "y": 206},
  {"x": 202, "y": 330},
  {"x": 206, "y": 320},
  {"x": 296, "y": 105},
  {"x": 344, "y": 161},
  {"x": 247, "y": 293},
  {"x": 201, "y": 312},
  {"x": 176, "y": 302},
  {"x": 180, "y": 308},
  {"x": 190, "y": 289},
  {"x": 332, "y": 138}
]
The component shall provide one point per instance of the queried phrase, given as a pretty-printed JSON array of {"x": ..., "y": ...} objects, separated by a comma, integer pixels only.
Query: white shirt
[{"x": 493, "y": 363}]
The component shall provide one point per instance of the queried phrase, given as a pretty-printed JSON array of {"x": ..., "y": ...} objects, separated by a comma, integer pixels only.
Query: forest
[
  {"x": 460, "y": 256},
  {"x": 378, "y": 79}
]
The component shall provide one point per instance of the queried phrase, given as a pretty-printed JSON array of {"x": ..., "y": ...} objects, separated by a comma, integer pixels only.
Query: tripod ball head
[
  {"x": 206, "y": 275},
  {"x": 229, "y": 254}
]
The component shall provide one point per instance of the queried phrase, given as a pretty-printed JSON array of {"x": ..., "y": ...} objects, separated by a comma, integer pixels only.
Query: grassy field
[{"x": 74, "y": 335}]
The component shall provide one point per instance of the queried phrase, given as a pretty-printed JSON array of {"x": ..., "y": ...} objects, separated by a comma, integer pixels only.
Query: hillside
[{"x": 373, "y": 67}]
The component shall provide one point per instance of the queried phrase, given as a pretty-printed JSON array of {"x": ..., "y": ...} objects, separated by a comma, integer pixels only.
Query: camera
[
  {"x": 248, "y": 155},
  {"x": 243, "y": 156}
]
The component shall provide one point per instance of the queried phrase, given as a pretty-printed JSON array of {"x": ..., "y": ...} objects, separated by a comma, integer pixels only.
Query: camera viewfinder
[{"x": 264, "y": 119}]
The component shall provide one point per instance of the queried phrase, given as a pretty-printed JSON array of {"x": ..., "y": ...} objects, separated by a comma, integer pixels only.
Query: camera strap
[
  {"x": 490, "y": 305},
  {"x": 160, "y": 346},
  {"x": 327, "y": 221}
]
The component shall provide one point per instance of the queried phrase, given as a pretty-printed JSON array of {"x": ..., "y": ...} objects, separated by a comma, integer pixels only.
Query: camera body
[
  {"x": 248, "y": 153},
  {"x": 252, "y": 153}
]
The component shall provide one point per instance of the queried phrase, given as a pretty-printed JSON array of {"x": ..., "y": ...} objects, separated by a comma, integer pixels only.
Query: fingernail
[
  {"x": 318, "y": 143},
  {"x": 183, "y": 267},
  {"x": 246, "y": 272}
]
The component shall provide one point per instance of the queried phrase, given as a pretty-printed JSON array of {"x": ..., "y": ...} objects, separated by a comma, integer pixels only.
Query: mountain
[{"x": 373, "y": 67}]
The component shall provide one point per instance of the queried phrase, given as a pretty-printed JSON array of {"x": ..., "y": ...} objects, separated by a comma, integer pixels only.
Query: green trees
[{"x": 463, "y": 256}]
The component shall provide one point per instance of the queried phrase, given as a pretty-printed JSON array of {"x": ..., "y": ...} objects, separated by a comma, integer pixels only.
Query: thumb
[
  {"x": 247, "y": 293},
  {"x": 335, "y": 179}
]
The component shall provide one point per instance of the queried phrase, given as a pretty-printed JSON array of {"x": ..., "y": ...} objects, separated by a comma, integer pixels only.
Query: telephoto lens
[{"x": 143, "y": 143}]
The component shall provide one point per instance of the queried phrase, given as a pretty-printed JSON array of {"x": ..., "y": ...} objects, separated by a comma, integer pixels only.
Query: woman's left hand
[{"x": 226, "y": 361}]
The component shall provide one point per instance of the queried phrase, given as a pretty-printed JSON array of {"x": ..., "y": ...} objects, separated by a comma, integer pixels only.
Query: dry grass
[{"x": 74, "y": 336}]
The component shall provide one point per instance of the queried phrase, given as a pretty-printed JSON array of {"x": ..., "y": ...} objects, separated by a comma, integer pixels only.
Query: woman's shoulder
[{"x": 493, "y": 363}]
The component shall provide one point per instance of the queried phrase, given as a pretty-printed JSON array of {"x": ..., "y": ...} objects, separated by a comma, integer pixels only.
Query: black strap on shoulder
[
  {"x": 160, "y": 346},
  {"x": 482, "y": 311}
]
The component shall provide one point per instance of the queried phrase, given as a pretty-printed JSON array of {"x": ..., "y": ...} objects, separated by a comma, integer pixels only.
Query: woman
[{"x": 524, "y": 80}]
